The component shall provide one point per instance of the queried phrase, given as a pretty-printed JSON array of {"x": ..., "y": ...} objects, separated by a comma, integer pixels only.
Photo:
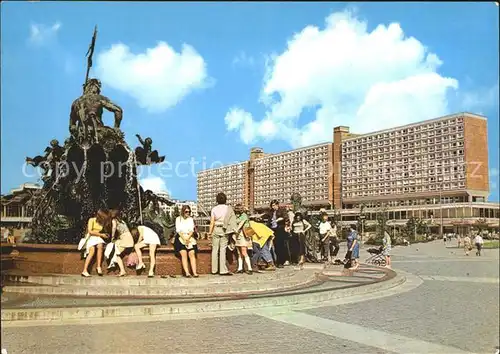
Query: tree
[
  {"x": 381, "y": 221},
  {"x": 296, "y": 200},
  {"x": 361, "y": 219},
  {"x": 410, "y": 228},
  {"x": 175, "y": 213}
]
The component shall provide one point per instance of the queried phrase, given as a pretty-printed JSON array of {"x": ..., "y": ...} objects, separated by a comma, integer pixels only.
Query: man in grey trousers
[{"x": 222, "y": 224}]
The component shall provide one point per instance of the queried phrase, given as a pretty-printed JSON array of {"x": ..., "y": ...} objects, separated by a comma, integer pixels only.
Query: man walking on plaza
[{"x": 478, "y": 241}]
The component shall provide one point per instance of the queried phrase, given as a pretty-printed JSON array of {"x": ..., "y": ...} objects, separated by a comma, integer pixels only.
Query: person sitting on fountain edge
[
  {"x": 96, "y": 235},
  {"x": 122, "y": 238},
  {"x": 146, "y": 236}
]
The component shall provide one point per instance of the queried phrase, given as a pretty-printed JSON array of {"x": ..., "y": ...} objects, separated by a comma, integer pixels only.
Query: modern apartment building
[
  {"x": 438, "y": 161},
  {"x": 231, "y": 179}
]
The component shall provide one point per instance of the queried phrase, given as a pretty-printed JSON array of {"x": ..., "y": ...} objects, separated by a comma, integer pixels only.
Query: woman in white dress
[
  {"x": 145, "y": 236},
  {"x": 96, "y": 234},
  {"x": 122, "y": 238},
  {"x": 185, "y": 241}
]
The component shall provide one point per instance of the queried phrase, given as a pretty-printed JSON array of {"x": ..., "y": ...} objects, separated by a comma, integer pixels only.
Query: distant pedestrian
[
  {"x": 478, "y": 241},
  {"x": 387, "y": 243},
  {"x": 353, "y": 247},
  {"x": 467, "y": 245}
]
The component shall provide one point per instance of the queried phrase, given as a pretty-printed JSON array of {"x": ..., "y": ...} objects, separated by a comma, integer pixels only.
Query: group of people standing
[{"x": 276, "y": 238}]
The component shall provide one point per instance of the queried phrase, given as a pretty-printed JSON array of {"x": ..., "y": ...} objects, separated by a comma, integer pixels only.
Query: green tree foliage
[
  {"x": 175, "y": 213},
  {"x": 382, "y": 217},
  {"x": 296, "y": 200},
  {"x": 415, "y": 226}
]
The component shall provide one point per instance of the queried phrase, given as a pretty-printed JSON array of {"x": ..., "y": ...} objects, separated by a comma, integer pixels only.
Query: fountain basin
[{"x": 66, "y": 259}]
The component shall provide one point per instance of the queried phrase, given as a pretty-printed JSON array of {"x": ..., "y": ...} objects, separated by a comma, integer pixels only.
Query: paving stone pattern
[{"x": 462, "y": 316}]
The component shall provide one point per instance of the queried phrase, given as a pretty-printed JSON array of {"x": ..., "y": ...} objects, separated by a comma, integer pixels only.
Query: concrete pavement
[{"x": 449, "y": 304}]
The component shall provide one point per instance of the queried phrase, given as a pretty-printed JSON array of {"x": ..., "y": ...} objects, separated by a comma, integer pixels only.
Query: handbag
[
  {"x": 132, "y": 260},
  {"x": 248, "y": 232}
]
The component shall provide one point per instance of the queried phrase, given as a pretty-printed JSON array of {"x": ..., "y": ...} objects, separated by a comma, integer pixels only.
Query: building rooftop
[{"x": 450, "y": 116}]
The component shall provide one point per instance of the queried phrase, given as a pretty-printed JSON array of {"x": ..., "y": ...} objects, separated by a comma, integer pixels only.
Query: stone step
[
  {"x": 64, "y": 315},
  {"x": 168, "y": 290},
  {"x": 143, "y": 280}
]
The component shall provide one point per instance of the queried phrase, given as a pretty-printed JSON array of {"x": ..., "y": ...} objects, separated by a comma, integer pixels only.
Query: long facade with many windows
[
  {"x": 230, "y": 179},
  {"x": 440, "y": 161}
]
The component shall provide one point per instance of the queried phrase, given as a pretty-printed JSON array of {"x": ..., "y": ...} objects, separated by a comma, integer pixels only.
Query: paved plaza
[{"x": 449, "y": 304}]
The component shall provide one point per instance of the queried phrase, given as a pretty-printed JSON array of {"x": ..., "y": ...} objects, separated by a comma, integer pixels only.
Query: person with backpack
[{"x": 299, "y": 229}]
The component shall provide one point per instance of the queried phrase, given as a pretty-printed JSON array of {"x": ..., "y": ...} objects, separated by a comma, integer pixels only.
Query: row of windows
[
  {"x": 405, "y": 178},
  {"x": 404, "y": 171},
  {"x": 407, "y": 131},
  {"x": 372, "y": 183},
  {"x": 353, "y": 160},
  {"x": 404, "y": 190},
  {"x": 403, "y": 143},
  {"x": 454, "y": 165},
  {"x": 433, "y": 214},
  {"x": 409, "y": 202}
]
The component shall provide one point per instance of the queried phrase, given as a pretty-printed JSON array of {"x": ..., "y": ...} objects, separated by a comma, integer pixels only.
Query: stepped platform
[{"x": 53, "y": 297}]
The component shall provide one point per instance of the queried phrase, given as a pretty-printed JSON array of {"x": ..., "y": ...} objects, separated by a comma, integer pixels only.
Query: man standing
[
  {"x": 478, "y": 241},
  {"x": 276, "y": 221}
]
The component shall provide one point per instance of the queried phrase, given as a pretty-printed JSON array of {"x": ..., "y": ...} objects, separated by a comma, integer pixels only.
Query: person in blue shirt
[{"x": 353, "y": 246}]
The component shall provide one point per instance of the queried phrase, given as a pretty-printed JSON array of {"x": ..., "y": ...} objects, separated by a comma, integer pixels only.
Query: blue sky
[{"x": 208, "y": 81}]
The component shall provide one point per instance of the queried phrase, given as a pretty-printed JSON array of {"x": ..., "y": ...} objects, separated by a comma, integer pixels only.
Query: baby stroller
[{"x": 376, "y": 257}]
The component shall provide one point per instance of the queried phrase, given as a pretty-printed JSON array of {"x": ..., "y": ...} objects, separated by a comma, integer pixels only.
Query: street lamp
[{"x": 441, "y": 210}]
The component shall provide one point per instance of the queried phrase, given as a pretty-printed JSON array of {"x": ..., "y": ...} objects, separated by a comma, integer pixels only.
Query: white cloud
[
  {"x": 158, "y": 78},
  {"x": 155, "y": 184},
  {"x": 243, "y": 59},
  {"x": 348, "y": 76},
  {"x": 41, "y": 34}
]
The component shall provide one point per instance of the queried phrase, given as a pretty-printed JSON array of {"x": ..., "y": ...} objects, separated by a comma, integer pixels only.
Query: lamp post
[{"x": 441, "y": 210}]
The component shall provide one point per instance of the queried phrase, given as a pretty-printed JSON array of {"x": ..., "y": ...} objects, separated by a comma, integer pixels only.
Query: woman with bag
[
  {"x": 185, "y": 241},
  {"x": 243, "y": 238},
  {"x": 96, "y": 234},
  {"x": 122, "y": 239}
]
